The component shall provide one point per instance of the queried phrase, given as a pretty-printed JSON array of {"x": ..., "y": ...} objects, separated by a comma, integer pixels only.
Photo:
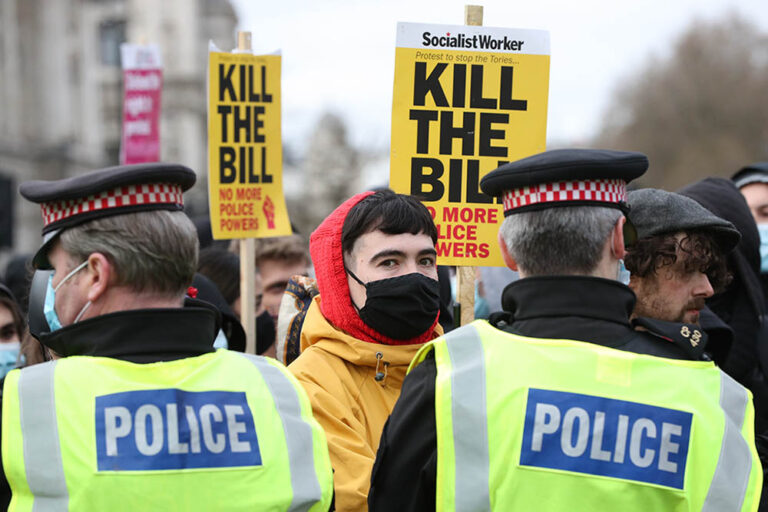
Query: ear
[
  {"x": 508, "y": 259},
  {"x": 100, "y": 274},
  {"x": 617, "y": 239}
]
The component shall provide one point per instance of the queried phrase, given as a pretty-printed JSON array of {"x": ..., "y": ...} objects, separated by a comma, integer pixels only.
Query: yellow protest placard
[
  {"x": 467, "y": 99},
  {"x": 245, "y": 185}
]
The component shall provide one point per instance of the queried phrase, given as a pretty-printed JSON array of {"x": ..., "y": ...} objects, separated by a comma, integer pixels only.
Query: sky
[{"x": 338, "y": 55}]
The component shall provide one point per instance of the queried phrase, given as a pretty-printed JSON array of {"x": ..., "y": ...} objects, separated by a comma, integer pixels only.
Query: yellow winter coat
[{"x": 339, "y": 374}]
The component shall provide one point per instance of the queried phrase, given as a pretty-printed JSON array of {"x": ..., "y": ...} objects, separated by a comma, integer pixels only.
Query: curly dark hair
[{"x": 699, "y": 250}]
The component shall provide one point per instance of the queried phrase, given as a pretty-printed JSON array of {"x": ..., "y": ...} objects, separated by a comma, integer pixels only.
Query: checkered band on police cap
[
  {"x": 103, "y": 193},
  {"x": 565, "y": 177},
  {"x": 604, "y": 191},
  {"x": 118, "y": 197}
]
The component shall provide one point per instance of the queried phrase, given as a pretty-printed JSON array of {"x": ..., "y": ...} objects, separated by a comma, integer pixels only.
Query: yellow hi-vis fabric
[
  {"x": 539, "y": 424},
  {"x": 221, "y": 431}
]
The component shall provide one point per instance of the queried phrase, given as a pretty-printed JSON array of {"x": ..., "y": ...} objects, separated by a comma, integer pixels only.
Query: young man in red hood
[{"x": 374, "y": 258}]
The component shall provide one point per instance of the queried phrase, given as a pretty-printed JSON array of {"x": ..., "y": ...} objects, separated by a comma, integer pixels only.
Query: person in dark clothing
[
  {"x": 446, "y": 300},
  {"x": 100, "y": 432},
  {"x": 741, "y": 304},
  {"x": 563, "y": 232},
  {"x": 221, "y": 270},
  {"x": 231, "y": 335},
  {"x": 679, "y": 260},
  {"x": 12, "y": 325},
  {"x": 752, "y": 182},
  {"x": 18, "y": 275}
]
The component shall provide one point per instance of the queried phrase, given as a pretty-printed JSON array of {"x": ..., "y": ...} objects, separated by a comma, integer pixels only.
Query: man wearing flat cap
[
  {"x": 561, "y": 405},
  {"x": 677, "y": 262},
  {"x": 136, "y": 411}
]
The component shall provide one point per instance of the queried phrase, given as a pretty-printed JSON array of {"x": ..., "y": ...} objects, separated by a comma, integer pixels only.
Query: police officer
[
  {"x": 149, "y": 416},
  {"x": 559, "y": 407}
]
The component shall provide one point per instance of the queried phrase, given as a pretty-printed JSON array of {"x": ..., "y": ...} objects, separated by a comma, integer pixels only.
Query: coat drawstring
[{"x": 380, "y": 376}]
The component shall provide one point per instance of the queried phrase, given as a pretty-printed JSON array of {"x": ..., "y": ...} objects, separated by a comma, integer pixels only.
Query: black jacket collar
[
  {"x": 597, "y": 311},
  {"x": 572, "y": 296},
  {"x": 140, "y": 336}
]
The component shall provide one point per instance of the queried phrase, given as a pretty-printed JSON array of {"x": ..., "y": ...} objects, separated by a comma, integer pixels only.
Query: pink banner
[
  {"x": 143, "y": 83},
  {"x": 141, "y": 116}
]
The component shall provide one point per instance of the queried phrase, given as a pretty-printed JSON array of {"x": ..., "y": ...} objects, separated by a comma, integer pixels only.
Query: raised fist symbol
[{"x": 269, "y": 211}]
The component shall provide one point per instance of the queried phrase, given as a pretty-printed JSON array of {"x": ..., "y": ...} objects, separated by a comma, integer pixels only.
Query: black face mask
[
  {"x": 265, "y": 332},
  {"x": 400, "y": 307}
]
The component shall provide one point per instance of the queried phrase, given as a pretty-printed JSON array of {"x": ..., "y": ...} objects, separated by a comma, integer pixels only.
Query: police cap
[
  {"x": 657, "y": 212},
  {"x": 565, "y": 177},
  {"x": 104, "y": 193},
  {"x": 754, "y": 173}
]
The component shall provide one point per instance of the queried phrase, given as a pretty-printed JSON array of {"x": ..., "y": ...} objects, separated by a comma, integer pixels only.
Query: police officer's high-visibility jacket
[
  {"x": 220, "y": 431},
  {"x": 538, "y": 424}
]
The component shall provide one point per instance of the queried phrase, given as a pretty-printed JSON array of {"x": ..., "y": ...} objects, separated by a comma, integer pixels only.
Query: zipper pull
[{"x": 379, "y": 375}]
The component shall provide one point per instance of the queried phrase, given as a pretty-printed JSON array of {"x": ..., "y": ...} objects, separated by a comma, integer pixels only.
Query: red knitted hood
[{"x": 336, "y": 304}]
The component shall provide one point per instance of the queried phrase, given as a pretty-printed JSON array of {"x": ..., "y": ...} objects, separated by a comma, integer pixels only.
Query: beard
[{"x": 661, "y": 308}]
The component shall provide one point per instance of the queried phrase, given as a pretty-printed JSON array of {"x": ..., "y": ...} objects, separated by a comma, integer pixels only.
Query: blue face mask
[
  {"x": 49, "y": 307},
  {"x": 220, "y": 341},
  {"x": 763, "y": 229},
  {"x": 622, "y": 275},
  {"x": 9, "y": 353}
]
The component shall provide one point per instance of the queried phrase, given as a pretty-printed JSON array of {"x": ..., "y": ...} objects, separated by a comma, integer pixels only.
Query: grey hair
[
  {"x": 565, "y": 240},
  {"x": 152, "y": 251}
]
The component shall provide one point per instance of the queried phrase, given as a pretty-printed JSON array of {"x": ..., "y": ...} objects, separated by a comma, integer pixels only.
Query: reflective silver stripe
[
  {"x": 40, "y": 434},
  {"x": 729, "y": 484},
  {"x": 298, "y": 435},
  {"x": 469, "y": 416}
]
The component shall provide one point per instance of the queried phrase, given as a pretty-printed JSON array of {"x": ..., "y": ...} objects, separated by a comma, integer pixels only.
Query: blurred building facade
[{"x": 61, "y": 87}]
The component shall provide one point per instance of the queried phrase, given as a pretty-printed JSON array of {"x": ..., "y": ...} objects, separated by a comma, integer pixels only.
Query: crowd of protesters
[{"x": 625, "y": 370}]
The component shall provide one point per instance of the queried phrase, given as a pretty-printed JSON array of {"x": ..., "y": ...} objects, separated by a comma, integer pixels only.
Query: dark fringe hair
[{"x": 390, "y": 213}]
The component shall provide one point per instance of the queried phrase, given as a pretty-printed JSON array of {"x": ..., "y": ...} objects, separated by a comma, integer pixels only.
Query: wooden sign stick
[
  {"x": 247, "y": 260},
  {"x": 466, "y": 276}
]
